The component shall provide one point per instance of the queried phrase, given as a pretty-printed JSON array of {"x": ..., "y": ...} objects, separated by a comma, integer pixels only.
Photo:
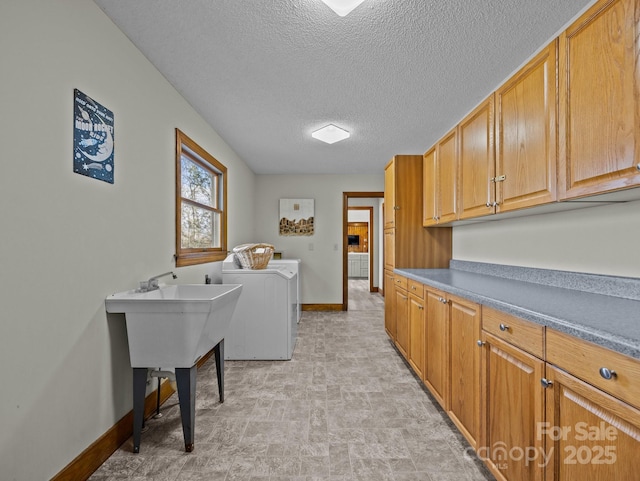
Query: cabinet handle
[
  {"x": 546, "y": 383},
  {"x": 443, "y": 300},
  {"x": 413, "y": 288},
  {"x": 480, "y": 343},
  {"x": 504, "y": 327},
  {"x": 607, "y": 373},
  {"x": 637, "y": 166},
  {"x": 492, "y": 204},
  {"x": 396, "y": 207},
  {"x": 420, "y": 307}
]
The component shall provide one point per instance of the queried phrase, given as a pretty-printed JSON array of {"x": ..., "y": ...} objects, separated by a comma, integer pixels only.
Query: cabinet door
[
  {"x": 416, "y": 335},
  {"x": 389, "y": 195},
  {"x": 402, "y": 321},
  {"x": 436, "y": 371},
  {"x": 465, "y": 367},
  {"x": 599, "y": 122},
  {"x": 588, "y": 434},
  {"x": 364, "y": 266},
  {"x": 477, "y": 162},
  {"x": 429, "y": 189},
  {"x": 389, "y": 304},
  {"x": 526, "y": 135},
  {"x": 389, "y": 249},
  {"x": 447, "y": 177},
  {"x": 512, "y": 401}
]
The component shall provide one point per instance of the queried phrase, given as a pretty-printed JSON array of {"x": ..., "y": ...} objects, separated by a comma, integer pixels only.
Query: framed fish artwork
[{"x": 92, "y": 138}]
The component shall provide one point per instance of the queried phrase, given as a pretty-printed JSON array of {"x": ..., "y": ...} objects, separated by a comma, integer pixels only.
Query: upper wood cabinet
[
  {"x": 477, "y": 162},
  {"x": 429, "y": 188},
  {"x": 389, "y": 210},
  {"x": 447, "y": 177},
  {"x": 440, "y": 181},
  {"x": 526, "y": 135},
  {"x": 408, "y": 244},
  {"x": 599, "y": 89}
]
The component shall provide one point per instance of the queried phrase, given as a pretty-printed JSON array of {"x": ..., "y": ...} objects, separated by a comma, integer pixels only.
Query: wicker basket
[{"x": 253, "y": 256}]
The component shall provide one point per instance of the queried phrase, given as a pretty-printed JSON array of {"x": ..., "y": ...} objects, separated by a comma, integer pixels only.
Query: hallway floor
[{"x": 345, "y": 408}]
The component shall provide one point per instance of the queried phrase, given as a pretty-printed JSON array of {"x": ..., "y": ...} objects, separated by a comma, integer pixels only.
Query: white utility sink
[{"x": 174, "y": 326}]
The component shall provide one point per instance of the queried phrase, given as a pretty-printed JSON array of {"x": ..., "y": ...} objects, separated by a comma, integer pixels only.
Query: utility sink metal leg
[
  {"x": 218, "y": 352},
  {"x": 186, "y": 380},
  {"x": 139, "y": 389}
]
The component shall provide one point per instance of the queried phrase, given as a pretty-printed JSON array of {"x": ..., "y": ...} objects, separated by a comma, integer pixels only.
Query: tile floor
[{"x": 345, "y": 408}]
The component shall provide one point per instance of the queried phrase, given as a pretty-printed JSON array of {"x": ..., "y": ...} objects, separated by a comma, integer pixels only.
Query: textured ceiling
[{"x": 396, "y": 73}]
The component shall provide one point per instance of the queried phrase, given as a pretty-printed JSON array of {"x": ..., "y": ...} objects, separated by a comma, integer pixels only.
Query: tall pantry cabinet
[{"x": 407, "y": 244}]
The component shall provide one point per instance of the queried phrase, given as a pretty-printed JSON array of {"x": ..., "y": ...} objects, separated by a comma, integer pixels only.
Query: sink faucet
[{"x": 152, "y": 283}]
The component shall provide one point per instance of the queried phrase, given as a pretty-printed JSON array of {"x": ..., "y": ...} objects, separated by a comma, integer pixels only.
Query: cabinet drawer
[
  {"x": 416, "y": 288},
  {"x": 589, "y": 361},
  {"x": 400, "y": 281},
  {"x": 523, "y": 334}
]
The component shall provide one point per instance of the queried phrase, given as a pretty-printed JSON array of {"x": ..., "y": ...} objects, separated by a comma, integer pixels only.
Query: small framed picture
[{"x": 296, "y": 217}]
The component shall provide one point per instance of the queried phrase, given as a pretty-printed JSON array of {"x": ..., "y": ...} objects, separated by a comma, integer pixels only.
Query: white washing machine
[
  {"x": 293, "y": 265},
  {"x": 264, "y": 325}
]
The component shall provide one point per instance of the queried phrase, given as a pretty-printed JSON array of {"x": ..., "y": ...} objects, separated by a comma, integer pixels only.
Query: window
[{"x": 201, "y": 203}]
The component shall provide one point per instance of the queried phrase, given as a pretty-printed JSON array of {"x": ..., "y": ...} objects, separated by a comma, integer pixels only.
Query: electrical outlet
[{"x": 310, "y": 246}]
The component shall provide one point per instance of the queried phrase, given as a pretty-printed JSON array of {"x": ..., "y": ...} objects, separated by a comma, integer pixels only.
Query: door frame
[{"x": 345, "y": 249}]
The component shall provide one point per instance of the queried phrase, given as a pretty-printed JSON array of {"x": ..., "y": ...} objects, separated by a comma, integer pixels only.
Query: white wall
[
  {"x": 322, "y": 266},
  {"x": 68, "y": 240},
  {"x": 599, "y": 240},
  {"x": 358, "y": 215}
]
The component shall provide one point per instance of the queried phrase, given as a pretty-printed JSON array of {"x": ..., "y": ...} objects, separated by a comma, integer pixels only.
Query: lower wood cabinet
[
  {"x": 592, "y": 426},
  {"x": 437, "y": 370},
  {"x": 389, "y": 304},
  {"x": 416, "y": 328},
  {"x": 588, "y": 433},
  {"x": 452, "y": 359},
  {"x": 402, "y": 315},
  {"x": 465, "y": 355},
  {"x": 513, "y": 410},
  {"x": 534, "y": 403}
]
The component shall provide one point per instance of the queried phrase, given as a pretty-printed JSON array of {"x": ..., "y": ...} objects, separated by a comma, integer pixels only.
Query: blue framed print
[{"x": 92, "y": 138}]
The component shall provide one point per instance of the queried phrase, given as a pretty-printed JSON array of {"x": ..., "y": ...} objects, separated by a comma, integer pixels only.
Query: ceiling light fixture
[
  {"x": 330, "y": 134},
  {"x": 342, "y": 7}
]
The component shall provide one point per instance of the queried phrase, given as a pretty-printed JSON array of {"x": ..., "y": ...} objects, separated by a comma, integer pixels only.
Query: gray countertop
[{"x": 612, "y": 322}]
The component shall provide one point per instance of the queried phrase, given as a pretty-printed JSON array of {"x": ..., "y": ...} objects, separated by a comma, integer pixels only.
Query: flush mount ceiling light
[
  {"x": 330, "y": 134},
  {"x": 342, "y": 7}
]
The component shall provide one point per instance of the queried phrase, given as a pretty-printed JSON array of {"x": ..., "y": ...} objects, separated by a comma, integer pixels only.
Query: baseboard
[
  {"x": 86, "y": 463},
  {"x": 321, "y": 307}
]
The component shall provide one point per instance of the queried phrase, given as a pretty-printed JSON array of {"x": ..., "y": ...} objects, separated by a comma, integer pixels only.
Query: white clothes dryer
[
  {"x": 264, "y": 325},
  {"x": 294, "y": 265}
]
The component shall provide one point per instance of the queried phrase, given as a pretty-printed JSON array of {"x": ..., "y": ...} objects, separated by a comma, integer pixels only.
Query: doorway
[{"x": 366, "y": 252}]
